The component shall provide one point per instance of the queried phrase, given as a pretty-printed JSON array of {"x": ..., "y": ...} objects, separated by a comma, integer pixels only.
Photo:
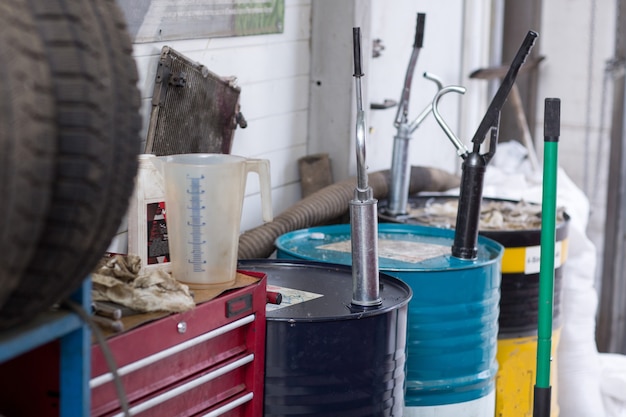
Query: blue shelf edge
[
  {"x": 44, "y": 328},
  {"x": 75, "y": 358}
]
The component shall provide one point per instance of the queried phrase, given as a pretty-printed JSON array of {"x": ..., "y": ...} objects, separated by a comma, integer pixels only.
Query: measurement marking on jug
[{"x": 196, "y": 210}]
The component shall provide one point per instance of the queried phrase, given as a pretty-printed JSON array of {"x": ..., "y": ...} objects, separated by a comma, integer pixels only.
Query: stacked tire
[{"x": 69, "y": 139}]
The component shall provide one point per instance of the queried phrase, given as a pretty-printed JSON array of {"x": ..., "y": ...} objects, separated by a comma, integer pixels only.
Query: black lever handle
[
  {"x": 356, "y": 45},
  {"x": 505, "y": 88},
  {"x": 419, "y": 30}
]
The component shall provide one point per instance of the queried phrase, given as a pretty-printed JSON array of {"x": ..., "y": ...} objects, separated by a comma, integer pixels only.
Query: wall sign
[{"x": 164, "y": 20}]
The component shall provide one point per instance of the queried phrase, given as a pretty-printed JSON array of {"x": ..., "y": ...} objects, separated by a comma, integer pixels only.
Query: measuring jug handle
[{"x": 262, "y": 168}]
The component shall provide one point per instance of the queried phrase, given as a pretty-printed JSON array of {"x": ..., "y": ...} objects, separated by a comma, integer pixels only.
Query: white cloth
[{"x": 117, "y": 279}]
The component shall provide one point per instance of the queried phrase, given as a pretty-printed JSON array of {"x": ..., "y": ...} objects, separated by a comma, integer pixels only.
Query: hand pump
[
  {"x": 400, "y": 168},
  {"x": 475, "y": 164},
  {"x": 363, "y": 208},
  {"x": 551, "y": 128}
]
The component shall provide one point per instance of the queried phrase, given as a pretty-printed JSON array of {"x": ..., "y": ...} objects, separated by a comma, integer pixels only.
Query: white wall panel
[
  {"x": 269, "y": 98},
  {"x": 282, "y": 170},
  {"x": 271, "y": 134}
]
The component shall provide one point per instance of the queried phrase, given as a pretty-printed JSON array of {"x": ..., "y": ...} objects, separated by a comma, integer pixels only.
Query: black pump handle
[
  {"x": 356, "y": 44},
  {"x": 505, "y": 88},
  {"x": 419, "y": 30}
]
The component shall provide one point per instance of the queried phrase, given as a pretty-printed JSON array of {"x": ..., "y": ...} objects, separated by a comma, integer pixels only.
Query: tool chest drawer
[{"x": 209, "y": 360}]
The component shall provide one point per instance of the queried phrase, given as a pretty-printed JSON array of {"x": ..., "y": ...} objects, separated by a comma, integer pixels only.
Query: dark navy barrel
[
  {"x": 324, "y": 357},
  {"x": 453, "y": 315}
]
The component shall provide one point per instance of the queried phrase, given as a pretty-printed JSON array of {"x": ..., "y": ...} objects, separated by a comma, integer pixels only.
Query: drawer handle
[
  {"x": 132, "y": 367},
  {"x": 231, "y": 405},
  {"x": 188, "y": 386}
]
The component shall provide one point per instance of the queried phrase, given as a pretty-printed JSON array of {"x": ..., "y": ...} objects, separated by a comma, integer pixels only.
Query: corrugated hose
[{"x": 332, "y": 202}]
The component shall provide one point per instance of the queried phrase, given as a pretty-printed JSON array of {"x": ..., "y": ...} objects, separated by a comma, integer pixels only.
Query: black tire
[
  {"x": 27, "y": 141},
  {"x": 94, "y": 75},
  {"x": 124, "y": 129}
]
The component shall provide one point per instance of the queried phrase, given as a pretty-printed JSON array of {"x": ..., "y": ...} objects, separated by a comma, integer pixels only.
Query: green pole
[{"x": 542, "y": 392}]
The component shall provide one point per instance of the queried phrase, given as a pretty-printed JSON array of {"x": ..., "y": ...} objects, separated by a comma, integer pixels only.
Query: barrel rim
[
  {"x": 508, "y": 238},
  {"x": 363, "y": 312},
  {"x": 409, "y": 229}
]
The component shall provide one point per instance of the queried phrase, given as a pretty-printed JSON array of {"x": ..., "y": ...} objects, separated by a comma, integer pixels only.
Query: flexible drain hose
[{"x": 332, "y": 202}]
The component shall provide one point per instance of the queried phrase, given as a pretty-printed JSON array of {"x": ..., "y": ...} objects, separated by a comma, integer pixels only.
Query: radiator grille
[{"x": 193, "y": 109}]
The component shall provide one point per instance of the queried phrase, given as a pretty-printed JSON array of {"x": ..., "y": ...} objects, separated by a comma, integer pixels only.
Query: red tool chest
[{"x": 207, "y": 361}]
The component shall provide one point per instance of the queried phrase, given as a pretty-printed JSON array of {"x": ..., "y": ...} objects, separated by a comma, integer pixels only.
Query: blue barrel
[{"x": 453, "y": 315}]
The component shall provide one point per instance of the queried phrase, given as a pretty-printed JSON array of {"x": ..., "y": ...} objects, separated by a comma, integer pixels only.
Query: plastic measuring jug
[{"x": 203, "y": 203}]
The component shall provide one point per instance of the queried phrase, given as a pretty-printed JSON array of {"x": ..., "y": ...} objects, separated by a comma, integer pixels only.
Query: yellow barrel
[
  {"x": 517, "y": 336},
  {"x": 517, "y": 359}
]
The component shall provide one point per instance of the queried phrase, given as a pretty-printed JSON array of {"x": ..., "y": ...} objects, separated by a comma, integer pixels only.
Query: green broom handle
[{"x": 548, "y": 238}]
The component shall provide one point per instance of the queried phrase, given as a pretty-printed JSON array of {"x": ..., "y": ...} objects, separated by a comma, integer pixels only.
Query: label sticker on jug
[
  {"x": 398, "y": 250},
  {"x": 157, "y": 247},
  {"x": 290, "y": 297}
]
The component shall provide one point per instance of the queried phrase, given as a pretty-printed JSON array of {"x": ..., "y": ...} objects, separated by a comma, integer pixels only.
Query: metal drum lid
[
  {"x": 316, "y": 291},
  {"x": 401, "y": 247}
]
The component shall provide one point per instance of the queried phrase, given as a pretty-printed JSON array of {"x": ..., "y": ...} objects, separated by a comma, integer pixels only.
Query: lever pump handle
[
  {"x": 356, "y": 46},
  {"x": 505, "y": 87},
  {"x": 419, "y": 30}
]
